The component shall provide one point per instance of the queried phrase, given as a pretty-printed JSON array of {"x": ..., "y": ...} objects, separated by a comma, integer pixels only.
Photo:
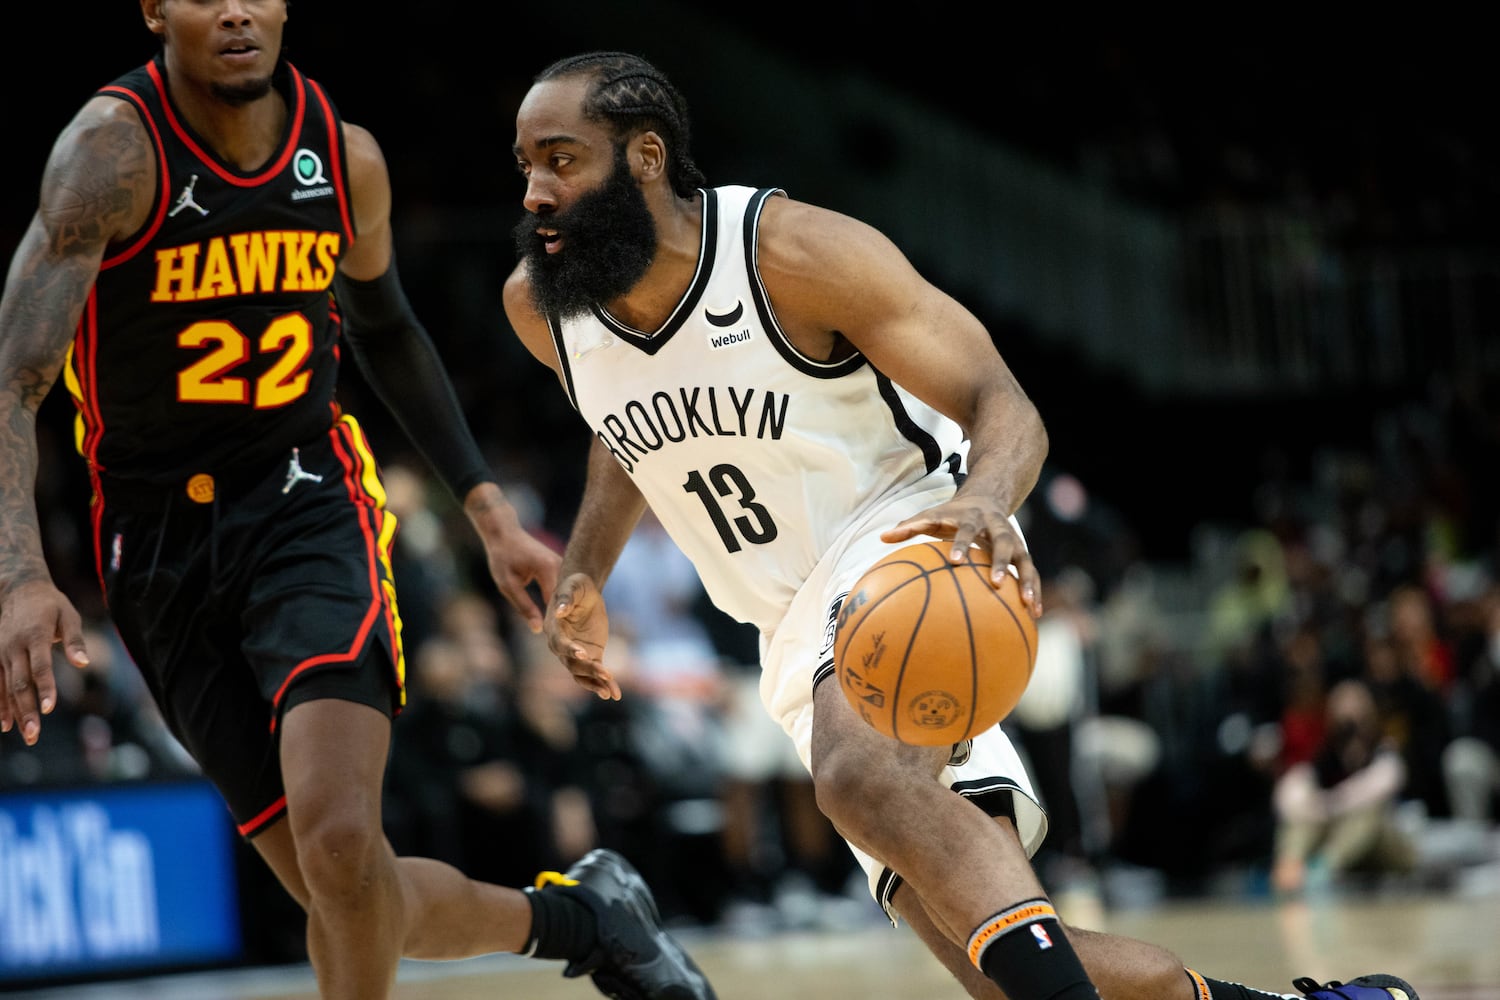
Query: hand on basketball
[
  {"x": 577, "y": 628},
  {"x": 35, "y": 616},
  {"x": 967, "y": 521}
]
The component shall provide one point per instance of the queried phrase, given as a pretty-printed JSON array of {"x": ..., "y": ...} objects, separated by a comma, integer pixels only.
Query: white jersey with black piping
[{"x": 755, "y": 457}]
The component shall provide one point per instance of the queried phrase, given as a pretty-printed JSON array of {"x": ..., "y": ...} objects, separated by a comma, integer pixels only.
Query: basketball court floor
[{"x": 1446, "y": 944}]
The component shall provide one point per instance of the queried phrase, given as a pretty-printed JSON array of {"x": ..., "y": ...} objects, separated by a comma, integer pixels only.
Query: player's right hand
[
  {"x": 577, "y": 628},
  {"x": 34, "y": 616}
]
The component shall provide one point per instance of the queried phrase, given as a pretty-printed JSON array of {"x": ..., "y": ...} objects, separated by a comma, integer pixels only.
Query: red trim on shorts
[
  {"x": 261, "y": 821},
  {"x": 96, "y": 521}
]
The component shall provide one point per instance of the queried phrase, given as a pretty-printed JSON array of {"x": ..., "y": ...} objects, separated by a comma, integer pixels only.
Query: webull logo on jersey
[
  {"x": 645, "y": 426},
  {"x": 725, "y": 320},
  {"x": 247, "y": 264}
]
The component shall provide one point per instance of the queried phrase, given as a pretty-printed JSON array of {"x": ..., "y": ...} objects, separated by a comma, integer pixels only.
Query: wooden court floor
[{"x": 1448, "y": 947}]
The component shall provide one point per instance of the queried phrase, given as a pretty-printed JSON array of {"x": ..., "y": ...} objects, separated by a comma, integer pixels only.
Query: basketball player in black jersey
[
  {"x": 208, "y": 232},
  {"x": 623, "y": 247}
]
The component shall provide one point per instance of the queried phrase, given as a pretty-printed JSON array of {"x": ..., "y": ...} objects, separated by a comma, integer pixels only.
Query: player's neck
[
  {"x": 661, "y": 288},
  {"x": 243, "y": 135}
]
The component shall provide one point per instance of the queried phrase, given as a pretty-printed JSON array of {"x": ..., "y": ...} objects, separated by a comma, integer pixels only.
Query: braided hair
[{"x": 629, "y": 94}]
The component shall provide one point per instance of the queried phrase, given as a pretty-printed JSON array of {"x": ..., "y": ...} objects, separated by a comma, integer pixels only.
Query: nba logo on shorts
[{"x": 1040, "y": 933}]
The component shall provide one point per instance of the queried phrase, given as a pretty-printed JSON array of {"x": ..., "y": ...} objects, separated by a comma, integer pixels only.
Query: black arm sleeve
[{"x": 402, "y": 366}]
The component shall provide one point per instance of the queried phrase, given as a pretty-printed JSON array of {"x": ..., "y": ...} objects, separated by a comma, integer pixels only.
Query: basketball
[{"x": 927, "y": 652}]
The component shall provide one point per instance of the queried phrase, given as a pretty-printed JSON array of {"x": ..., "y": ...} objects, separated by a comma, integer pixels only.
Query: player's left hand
[
  {"x": 972, "y": 521},
  {"x": 516, "y": 558},
  {"x": 577, "y": 631},
  {"x": 518, "y": 561}
]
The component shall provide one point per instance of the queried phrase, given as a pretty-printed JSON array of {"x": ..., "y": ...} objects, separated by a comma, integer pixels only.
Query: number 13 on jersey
[{"x": 726, "y": 482}]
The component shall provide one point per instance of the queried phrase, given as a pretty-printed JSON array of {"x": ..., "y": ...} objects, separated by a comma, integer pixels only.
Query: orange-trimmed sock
[
  {"x": 1023, "y": 951},
  {"x": 1213, "y": 989}
]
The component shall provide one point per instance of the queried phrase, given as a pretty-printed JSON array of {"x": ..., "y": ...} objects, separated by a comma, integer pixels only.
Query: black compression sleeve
[{"x": 402, "y": 366}]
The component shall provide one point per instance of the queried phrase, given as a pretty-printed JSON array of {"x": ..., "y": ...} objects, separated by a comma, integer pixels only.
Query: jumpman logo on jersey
[
  {"x": 185, "y": 200},
  {"x": 296, "y": 474}
]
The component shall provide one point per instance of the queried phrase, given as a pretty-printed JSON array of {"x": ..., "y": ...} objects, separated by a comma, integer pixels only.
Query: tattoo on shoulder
[
  {"x": 96, "y": 189},
  {"x": 102, "y": 190}
]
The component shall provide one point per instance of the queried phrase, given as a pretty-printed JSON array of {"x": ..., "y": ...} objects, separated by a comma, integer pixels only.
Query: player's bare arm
[
  {"x": 516, "y": 559},
  {"x": 833, "y": 279},
  {"x": 370, "y": 197},
  {"x": 97, "y": 187}
]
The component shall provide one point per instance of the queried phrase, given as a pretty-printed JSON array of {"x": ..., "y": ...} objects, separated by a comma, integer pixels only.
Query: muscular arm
[
  {"x": 403, "y": 367},
  {"x": 829, "y": 276},
  {"x": 827, "y": 272},
  {"x": 97, "y": 187}
]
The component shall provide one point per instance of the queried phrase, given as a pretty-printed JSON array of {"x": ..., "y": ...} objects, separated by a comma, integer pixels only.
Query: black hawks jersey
[{"x": 210, "y": 340}]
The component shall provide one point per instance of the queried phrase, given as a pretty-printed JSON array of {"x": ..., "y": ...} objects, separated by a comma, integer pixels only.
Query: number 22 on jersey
[{"x": 210, "y": 377}]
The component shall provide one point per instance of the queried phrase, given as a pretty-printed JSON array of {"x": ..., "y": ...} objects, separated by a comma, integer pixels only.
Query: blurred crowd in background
[
  {"x": 1311, "y": 701},
  {"x": 1301, "y": 693}
]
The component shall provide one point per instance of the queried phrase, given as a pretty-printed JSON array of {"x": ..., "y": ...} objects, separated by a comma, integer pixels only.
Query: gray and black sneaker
[
  {"x": 1374, "y": 987},
  {"x": 635, "y": 958}
]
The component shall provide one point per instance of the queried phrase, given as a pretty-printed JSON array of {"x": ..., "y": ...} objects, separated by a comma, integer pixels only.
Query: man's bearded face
[{"x": 608, "y": 243}]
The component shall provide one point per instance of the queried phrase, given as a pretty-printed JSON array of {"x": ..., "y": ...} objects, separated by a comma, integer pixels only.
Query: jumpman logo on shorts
[
  {"x": 185, "y": 200},
  {"x": 296, "y": 474}
]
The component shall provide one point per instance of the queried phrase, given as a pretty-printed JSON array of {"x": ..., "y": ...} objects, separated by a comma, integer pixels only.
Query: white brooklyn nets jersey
[{"x": 757, "y": 459}]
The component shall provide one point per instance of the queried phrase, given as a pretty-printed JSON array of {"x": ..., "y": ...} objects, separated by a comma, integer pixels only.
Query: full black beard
[
  {"x": 609, "y": 242},
  {"x": 243, "y": 94}
]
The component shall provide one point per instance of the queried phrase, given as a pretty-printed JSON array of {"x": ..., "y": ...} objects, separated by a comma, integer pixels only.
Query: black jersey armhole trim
[
  {"x": 554, "y": 326},
  {"x": 932, "y": 455},
  {"x": 131, "y": 245},
  {"x": 774, "y": 332}
]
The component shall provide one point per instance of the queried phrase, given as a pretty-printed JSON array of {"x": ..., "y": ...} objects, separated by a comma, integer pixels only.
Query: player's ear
[
  {"x": 648, "y": 156},
  {"x": 151, "y": 11}
]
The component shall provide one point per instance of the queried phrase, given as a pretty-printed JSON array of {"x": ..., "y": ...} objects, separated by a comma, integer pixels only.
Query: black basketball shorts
[{"x": 240, "y": 599}]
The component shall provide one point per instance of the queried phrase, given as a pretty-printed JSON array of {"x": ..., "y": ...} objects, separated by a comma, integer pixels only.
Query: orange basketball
[{"x": 928, "y": 652}]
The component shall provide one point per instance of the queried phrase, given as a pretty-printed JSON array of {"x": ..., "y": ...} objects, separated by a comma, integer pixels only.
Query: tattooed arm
[{"x": 96, "y": 188}]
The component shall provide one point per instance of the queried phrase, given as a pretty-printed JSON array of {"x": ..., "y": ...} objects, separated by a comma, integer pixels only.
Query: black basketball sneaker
[{"x": 635, "y": 959}]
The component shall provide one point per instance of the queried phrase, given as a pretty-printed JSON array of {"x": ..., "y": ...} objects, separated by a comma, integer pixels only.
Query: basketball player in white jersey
[{"x": 793, "y": 400}]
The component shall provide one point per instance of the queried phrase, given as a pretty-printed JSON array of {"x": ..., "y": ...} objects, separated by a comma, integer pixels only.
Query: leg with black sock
[
  {"x": 1213, "y": 989},
  {"x": 1023, "y": 951},
  {"x": 561, "y": 927}
]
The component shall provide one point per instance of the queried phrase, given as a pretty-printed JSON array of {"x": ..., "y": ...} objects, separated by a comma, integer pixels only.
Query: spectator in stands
[
  {"x": 1471, "y": 762},
  {"x": 1425, "y": 652},
  {"x": 1414, "y": 715},
  {"x": 1336, "y": 814}
]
